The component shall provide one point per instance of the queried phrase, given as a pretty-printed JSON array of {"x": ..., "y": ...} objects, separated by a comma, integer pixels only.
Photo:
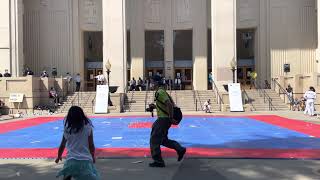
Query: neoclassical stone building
[{"x": 187, "y": 38}]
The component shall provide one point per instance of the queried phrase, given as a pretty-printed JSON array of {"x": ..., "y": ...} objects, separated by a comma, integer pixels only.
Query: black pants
[
  {"x": 78, "y": 86},
  {"x": 159, "y": 136}
]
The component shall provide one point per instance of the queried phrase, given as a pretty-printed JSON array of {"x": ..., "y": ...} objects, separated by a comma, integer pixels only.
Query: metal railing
[
  {"x": 93, "y": 103},
  {"x": 130, "y": 100},
  {"x": 145, "y": 100},
  {"x": 218, "y": 96},
  {"x": 195, "y": 100},
  {"x": 266, "y": 97},
  {"x": 247, "y": 99},
  {"x": 281, "y": 91}
]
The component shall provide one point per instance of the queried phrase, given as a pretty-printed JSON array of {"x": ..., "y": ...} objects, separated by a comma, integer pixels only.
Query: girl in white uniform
[{"x": 310, "y": 97}]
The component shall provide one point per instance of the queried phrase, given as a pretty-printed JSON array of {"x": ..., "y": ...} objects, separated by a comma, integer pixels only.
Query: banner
[
  {"x": 16, "y": 97},
  {"x": 102, "y": 96},
  {"x": 235, "y": 97}
]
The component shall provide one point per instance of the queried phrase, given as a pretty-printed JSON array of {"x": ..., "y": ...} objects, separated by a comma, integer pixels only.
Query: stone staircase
[
  {"x": 203, "y": 96},
  {"x": 82, "y": 99},
  {"x": 259, "y": 104},
  {"x": 134, "y": 101},
  {"x": 185, "y": 99}
]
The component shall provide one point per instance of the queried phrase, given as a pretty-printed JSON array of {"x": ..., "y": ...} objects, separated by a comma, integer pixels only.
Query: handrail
[
  {"x": 216, "y": 91},
  {"x": 92, "y": 102},
  {"x": 249, "y": 99},
  {"x": 283, "y": 91},
  {"x": 195, "y": 99},
  {"x": 75, "y": 98},
  {"x": 145, "y": 100},
  {"x": 125, "y": 96},
  {"x": 177, "y": 97},
  {"x": 262, "y": 92},
  {"x": 130, "y": 101}
]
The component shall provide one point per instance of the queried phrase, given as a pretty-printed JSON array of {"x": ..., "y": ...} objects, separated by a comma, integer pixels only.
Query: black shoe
[
  {"x": 181, "y": 154},
  {"x": 157, "y": 164}
]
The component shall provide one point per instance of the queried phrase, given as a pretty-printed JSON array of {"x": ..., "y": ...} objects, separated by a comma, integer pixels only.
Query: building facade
[{"x": 186, "y": 38}]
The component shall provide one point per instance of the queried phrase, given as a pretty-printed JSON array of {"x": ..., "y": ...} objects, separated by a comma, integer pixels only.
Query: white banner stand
[
  {"x": 235, "y": 97},
  {"x": 102, "y": 95}
]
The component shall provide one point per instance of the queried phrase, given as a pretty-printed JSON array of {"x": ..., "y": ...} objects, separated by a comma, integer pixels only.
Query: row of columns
[{"x": 223, "y": 40}]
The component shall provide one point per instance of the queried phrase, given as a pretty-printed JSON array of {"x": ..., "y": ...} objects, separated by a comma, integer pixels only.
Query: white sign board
[
  {"x": 102, "y": 96},
  {"x": 16, "y": 97},
  {"x": 235, "y": 97}
]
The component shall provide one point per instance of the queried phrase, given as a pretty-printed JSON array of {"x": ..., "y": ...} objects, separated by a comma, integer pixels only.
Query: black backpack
[{"x": 177, "y": 113}]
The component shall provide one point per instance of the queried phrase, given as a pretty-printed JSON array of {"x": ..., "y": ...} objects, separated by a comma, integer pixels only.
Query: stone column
[
  {"x": 168, "y": 41},
  {"x": 223, "y": 23},
  {"x": 137, "y": 39},
  {"x": 318, "y": 33},
  {"x": 200, "y": 54},
  {"x": 114, "y": 41},
  {"x": 16, "y": 37}
]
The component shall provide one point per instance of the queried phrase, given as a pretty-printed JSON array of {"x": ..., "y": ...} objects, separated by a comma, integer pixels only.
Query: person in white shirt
[
  {"x": 100, "y": 78},
  {"x": 207, "y": 106},
  {"x": 177, "y": 83},
  {"x": 78, "y": 82},
  {"x": 78, "y": 138},
  {"x": 133, "y": 84},
  {"x": 310, "y": 96}
]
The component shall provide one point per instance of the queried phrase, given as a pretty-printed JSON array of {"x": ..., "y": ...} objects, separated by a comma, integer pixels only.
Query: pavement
[
  {"x": 188, "y": 169},
  {"x": 201, "y": 169}
]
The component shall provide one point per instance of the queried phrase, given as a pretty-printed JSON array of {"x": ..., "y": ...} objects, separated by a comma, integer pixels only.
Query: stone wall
[
  {"x": 300, "y": 84},
  {"x": 35, "y": 90}
]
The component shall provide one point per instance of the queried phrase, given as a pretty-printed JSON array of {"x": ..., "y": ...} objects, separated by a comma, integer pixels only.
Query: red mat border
[
  {"x": 191, "y": 153},
  {"x": 299, "y": 126},
  {"x": 16, "y": 125}
]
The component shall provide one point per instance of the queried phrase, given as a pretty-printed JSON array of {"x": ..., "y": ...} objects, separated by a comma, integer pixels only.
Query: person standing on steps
[
  {"x": 78, "y": 82},
  {"x": 253, "y": 78},
  {"x": 100, "y": 78},
  {"x": 160, "y": 128}
]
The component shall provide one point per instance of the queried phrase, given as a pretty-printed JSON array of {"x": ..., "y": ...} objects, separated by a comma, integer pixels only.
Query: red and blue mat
[{"x": 204, "y": 136}]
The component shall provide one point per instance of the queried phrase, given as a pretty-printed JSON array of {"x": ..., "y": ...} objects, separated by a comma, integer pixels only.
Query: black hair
[
  {"x": 76, "y": 120},
  {"x": 312, "y": 89}
]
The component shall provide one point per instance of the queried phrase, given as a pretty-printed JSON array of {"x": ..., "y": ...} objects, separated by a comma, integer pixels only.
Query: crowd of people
[
  {"x": 148, "y": 84},
  {"x": 5, "y": 74}
]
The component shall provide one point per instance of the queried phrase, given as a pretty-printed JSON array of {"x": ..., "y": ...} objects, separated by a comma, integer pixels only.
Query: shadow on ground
[{"x": 201, "y": 169}]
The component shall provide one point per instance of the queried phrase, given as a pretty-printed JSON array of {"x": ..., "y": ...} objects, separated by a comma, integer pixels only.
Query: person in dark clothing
[
  {"x": 160, "y": 128},
  {"x": 28, "y": 72},
  {"x": 6, "y": 73},
  {"x": 139, "y": 86},
  {"x": 0, "y": 75},
  {"x": 289, "y": 90},
  {"x": 44, "y": 74}
]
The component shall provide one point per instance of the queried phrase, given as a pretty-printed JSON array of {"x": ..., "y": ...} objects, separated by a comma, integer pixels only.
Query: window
[
  {"x": 128, "y": 48},
  {"x": 182, "y": 45},
  {"x": 209, "y": 49},
  {"x": 154, "y": 45}
]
